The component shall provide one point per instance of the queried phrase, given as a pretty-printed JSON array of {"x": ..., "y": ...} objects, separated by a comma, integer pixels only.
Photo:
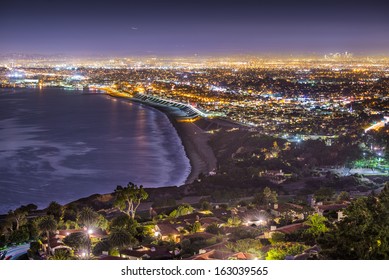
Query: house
[
  {"x": 56, "y": 243},
  {"x": 222, "y": 255},
  {"x": 213, "y": 255},
  {"x": 207, "y": 221},
  {"x": 97, "y": 234},
  {"x": 149, "y": 252},
  {"x": 199, "y": 235},
  {"x": 167, "y": 232},
  {"x": 288, "y": 229},
  {"x": 296, "y": 212},
  {"x": 325, "y": 209},
  {"x": 275, "y": 176},
  {"x": 254, "y": 217}
]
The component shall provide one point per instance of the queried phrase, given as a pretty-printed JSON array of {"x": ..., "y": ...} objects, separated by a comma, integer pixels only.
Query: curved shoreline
[{"x": 194, "y": 139}]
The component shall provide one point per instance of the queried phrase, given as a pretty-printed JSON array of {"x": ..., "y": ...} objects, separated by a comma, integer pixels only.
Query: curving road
[{"x": 13, "y": 253}]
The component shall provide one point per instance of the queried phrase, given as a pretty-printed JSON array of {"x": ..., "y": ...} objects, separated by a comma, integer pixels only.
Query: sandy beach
[
  {"x": 200, "y": 154},
  {"x": 194, "y": 139}
]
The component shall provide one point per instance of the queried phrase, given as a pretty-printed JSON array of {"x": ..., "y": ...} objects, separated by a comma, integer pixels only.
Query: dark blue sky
[{"x": 188, "y": 27}]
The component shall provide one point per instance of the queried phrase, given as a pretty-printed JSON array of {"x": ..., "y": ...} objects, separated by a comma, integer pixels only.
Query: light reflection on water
[{"x": 63, "y": 145}]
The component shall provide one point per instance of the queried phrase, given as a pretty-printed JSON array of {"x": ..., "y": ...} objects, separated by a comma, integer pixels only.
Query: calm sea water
[{"x": 58, "y": 145}]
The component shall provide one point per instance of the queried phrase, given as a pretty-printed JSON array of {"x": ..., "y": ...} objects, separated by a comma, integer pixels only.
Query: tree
[
  {"x": 56, "y": 210},
  {"x": 62, "y": 254},
  {"x": 316, "y": 225},
  {"x": 196, "y": 227},
  {"x": 88, "y": 218},
  {"x": 324, "y": 194},
  {"x": 213, "y": 228},
  {"x": 78, "y": 241},
  {"x": 120, "y": 238},
  {"x": 128, "y": 199},
  {"x": 270, "y": 196},
  {"x": 70, "y": 213},
  {"x": 124, "y": 222},
  {"x": 103, "y": 245},
  {"x": 205, "y": 205},
  {"x": 277, "y": 237},
  {"x": 6, "y": 226},
  {"x": 343, "y": 196},
  {"x": 182, "y": 210},
  {"x": 34, "y": 251},
  {"x": 47, "y": 224},
  {"x": 233, "y": 221},
  {"x": 20, "y": 235},
  {"x": 363, "y": 233},
  {"x": 103, "y": 223},
  {"x": 248, "y": 245},
  {"x": 280, "y": 251},
  {"x": 17, "y": 217},
  {"x": 28, "y": 208}
]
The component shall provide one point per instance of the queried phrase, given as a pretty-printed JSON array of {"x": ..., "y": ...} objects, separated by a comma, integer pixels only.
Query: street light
[{"x": 89, "y": 232}]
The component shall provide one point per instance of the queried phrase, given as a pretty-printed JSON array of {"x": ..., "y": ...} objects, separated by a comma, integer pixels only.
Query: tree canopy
[
  {"x": 363, "y": 233},
  {"x": 127, "y": 199},
  {"x": 317, "y": 225}
]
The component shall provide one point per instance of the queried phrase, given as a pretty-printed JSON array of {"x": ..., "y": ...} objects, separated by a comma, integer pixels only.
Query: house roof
[
  {"x": 219, "y": 246},
  {"x": 330, "y": 207},
  {"x": 204, "y": 235},
  {"x": 148, "y": 252},
  {"x": 243, "y": 256},
  {"x": 213, "y": 255},
  {"x": 106, "y": 258},
  {"x": 290, "y": 228},
  {"x": 210, "y": 220},
  {"x": 167, "y": 229},
  {"x": 55, "y": 242},
  {"x": 98, "y": 233}
]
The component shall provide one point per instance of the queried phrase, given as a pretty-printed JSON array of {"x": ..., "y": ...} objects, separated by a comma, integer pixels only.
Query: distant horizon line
[{"x": 23, "y": 55}]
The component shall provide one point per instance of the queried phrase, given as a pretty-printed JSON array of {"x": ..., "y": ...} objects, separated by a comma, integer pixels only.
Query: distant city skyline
[{"x": 189, "y": 28}]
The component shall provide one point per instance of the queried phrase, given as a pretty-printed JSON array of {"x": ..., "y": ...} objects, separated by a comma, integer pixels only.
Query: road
[
  {"x": 16, "y": 251},
  {"x": 378, "y": 125}
]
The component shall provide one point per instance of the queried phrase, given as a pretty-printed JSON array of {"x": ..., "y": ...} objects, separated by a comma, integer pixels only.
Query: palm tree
[
  {"x": 62, "y": 254},
  {"x": 317, "y": 225},
  {"x": 78, "y": 240},
  {"x": 121, "y": 238},
  {"x": 47, "y": 224},
  {"x": 88, "y": 218}
]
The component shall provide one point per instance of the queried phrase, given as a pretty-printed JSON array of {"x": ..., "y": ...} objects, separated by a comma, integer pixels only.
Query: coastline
[
  {"x": 194, "y": 139},
  {"x": 195, "y": 142}
]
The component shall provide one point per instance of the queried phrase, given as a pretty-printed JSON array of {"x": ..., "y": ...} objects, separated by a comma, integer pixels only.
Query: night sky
[{"x": 193, "y": 27}]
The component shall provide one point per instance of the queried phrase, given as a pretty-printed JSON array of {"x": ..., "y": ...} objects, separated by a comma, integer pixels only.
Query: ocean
[{"x": 61, "y": 145}]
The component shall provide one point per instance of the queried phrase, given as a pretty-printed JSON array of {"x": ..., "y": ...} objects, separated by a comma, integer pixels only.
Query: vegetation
[
  {"x": 317, "y": 225},
  {"x": 182, "y": 210},
  {"x": 233, "y": 221},
  {"x": 363, "y": 233},
  {"x": 56, "y": 210},
  {"x": 88, "y": 218},
  {"x": 127, "y": 199},
  {"x": 62, "y": 254},
  {"x": 120, "y": 239},
  {"x": 282, "y": 250},
  {"x": 80, "y": 241},
  {"x": 252, "y": 246},
  {"x": 47, "y": 224}
]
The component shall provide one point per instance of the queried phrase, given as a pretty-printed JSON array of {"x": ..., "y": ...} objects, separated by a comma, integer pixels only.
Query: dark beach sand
[{"x": 200, "y": 154}]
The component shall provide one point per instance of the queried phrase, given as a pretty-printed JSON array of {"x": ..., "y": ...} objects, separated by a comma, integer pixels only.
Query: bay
[{"x": 61, "y": 145}]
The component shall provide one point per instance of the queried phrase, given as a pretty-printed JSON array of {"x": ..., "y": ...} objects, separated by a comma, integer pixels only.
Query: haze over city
[{"x": 199, "y": 27}]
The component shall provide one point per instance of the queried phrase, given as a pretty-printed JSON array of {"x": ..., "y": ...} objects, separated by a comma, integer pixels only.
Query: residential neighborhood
[{"x": 266, "y": 228}]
